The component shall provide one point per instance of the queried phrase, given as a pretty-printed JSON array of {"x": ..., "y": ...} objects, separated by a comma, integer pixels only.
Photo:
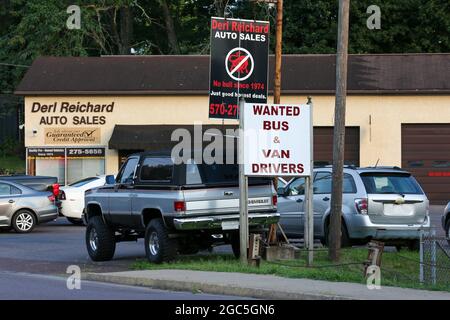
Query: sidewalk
[{"x": 259, "y": 286}]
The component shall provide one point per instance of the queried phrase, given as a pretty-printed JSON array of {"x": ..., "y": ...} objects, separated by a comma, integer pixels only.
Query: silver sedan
[{"x": 22, "y": 208}]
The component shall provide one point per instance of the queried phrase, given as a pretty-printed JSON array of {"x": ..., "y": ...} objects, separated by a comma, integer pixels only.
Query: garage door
[
  {"x": 426, "y": 154},
  {"x": 323, "y": 146}
]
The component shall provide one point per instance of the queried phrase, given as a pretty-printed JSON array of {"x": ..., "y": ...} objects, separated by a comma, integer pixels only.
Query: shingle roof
[{"x": 301, "y": 74}]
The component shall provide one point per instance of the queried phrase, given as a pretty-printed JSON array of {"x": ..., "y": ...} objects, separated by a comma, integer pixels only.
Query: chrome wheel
[
  {"x": 93, "y": 239},
  {"x": 153, "y": 243},
  {"x": 24, "y": 221}
]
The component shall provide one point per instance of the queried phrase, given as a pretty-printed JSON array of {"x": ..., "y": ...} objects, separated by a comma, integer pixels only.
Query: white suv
[{"x": 378, "y": 203}]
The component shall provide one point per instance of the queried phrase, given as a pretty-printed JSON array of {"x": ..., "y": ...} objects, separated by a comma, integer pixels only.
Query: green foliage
[
  {"x": 400, "y": 270},
  {"x": 11, "y": 165},
  {"x": 32, "y": 28}
]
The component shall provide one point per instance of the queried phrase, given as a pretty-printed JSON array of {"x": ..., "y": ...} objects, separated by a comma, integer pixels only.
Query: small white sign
[
  {"x": 230, "y": 225},
  {"x": 277, "y": 140}
]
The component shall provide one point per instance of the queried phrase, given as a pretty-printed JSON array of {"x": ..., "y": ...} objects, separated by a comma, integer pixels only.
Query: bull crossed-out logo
[{"x": 239, "y": 64}]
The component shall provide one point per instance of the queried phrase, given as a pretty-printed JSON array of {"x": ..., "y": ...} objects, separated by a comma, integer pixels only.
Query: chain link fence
[{"x": 434, "y": 259}]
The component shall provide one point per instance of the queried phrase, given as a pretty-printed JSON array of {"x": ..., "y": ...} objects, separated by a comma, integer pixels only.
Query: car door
[
  {"x": 322, "y": 198},
  {"x": 291, "y": 207},
  {"x": 121, "y": 197},
  {"x": 8, "y": 197}
]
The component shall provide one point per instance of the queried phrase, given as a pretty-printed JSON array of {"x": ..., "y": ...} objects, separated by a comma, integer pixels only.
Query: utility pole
[
  {"x": 339, "y": 131},
  {"x": 278, "y": 46},
  {"x": 277, "y": 84},
  {"x": 277, "y": 80}
]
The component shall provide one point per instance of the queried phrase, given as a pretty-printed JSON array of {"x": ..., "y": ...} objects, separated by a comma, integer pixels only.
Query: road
[
  {"x": 31, "y": 287},
  {"x": 27, "y": 261},
  {"x": 34, "y": 265}
]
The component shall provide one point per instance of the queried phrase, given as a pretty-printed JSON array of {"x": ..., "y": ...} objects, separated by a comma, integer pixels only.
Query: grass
[
  {"x": 12, "y": 164},
  {"x": 398, "y": 269}
]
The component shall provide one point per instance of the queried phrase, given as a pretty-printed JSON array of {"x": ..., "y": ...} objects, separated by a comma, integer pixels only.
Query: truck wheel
[
  {"x": 100, "y": 240},
  {"x": 235, "y": 244},
  {"x": 75, "y": 221},
  {"x": 158, "y": 246},
  {"x": 414, "y": 245},
  {"x": 23, "y": 221},
  {"x": 447, "y": 231}
]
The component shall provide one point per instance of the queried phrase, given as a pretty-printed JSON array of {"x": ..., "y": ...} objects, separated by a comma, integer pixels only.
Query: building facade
[{"x": 83, "y": 116}]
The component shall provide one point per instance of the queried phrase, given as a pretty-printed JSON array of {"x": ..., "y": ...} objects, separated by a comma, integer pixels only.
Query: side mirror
[{"x": 110, "y": 179}]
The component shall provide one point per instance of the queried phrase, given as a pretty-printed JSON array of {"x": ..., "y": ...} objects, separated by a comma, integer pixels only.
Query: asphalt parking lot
[
  {"x": 54, "y": 246},
  {"x": 35, "y": 264}
]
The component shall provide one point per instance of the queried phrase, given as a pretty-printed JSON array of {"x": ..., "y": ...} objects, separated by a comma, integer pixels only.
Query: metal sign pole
[
  {"x": 243, "y": 189},
  {"x": 309, "y": 196}
]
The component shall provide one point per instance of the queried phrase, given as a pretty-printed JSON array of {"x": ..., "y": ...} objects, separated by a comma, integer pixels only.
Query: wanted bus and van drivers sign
[
  {"x": 277, "y": 140},
  {"x": 239, "y": 64}
]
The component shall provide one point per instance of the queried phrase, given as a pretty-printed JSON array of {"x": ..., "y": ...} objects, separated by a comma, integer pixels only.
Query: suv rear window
[
  {"x": 157, "y": 169},
  {"x": 390, "y": 183},
  {"x": 218, "y": 174},
  {"x": 214, "y": 173}
]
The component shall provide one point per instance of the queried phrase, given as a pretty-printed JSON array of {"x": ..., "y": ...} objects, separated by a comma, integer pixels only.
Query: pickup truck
[{"x": 176, "y": 208}]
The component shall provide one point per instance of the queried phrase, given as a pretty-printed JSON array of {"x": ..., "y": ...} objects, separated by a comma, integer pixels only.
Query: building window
[
  {"x": 67, "y": 164},
  {"x": 47, "y": 162}
]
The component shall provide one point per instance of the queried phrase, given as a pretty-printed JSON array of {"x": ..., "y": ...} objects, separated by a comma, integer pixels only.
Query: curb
[{"x": 197, "y": 287}]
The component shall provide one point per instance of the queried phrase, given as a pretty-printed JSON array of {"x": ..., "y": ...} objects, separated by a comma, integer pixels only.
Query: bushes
[{"x": 12, "y": 157}]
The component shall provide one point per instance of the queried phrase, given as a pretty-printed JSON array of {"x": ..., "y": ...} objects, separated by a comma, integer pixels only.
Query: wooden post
[
  {"x": 277, "y": 90},
  {"x": 278, "y": 52},
  {"x": 339, "y": 131}
]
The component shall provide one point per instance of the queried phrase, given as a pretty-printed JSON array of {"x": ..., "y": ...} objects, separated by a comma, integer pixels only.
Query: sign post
[
  {"x": 243, "y": 188},
  {"x": 309, "y": 195},
  {"x": 239, "y": 65}
]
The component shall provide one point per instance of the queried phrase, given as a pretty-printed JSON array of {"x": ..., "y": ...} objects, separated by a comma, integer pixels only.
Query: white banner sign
[{"x": 277, "y": 140}]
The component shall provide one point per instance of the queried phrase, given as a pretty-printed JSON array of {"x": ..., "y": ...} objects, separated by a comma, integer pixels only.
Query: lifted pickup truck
[{"x": 176, "y": 208}]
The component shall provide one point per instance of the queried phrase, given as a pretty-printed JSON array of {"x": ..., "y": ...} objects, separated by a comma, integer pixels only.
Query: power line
[{"x": 13, "y": 65}]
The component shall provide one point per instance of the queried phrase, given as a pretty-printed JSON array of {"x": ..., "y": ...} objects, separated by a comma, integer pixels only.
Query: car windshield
[
  {"x": 390, "y": 183},
  {"x": 81, "y": 183}
]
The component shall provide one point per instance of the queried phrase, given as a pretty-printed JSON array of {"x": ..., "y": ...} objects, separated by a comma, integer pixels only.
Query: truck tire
[
  {"x": 414, "y": 245},
  {"x": 75, "y": 221},
  {"x": 158, "y": 246},
  {"x": 235, "y": 244},
  {"x": 447, "y": 231},
  {"x": 100, "y": 240}
]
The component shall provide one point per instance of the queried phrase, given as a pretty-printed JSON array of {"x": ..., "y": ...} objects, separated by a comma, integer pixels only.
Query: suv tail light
[
  {"x": 179, "y": 206},
  {"x": 55, "y": 187},
  {"x": 62, "y": 196},
  {"x": 51, "y": 198},
  {"x": 274, "y": 200},
  {"x": 362, "y": 205}
]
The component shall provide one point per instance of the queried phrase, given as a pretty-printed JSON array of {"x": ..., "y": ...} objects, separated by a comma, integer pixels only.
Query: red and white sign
[{"x": 277, "y": 140}]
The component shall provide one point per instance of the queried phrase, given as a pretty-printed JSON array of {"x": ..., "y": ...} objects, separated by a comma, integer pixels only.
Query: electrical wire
[
  {"x": 13, "y": 65},
  {"x": 316, "y": 267}
]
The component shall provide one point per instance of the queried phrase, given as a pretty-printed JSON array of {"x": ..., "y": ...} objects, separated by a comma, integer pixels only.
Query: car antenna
[{"x": 376, "y": 164}]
